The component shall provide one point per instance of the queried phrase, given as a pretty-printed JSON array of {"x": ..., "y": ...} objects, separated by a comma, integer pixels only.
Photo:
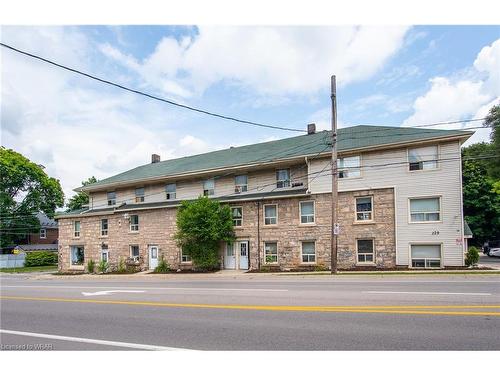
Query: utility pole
[{"x": 335, "y": 227}]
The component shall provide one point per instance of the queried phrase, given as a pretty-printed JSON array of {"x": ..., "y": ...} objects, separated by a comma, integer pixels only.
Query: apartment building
[{"x": 400, "y": 204}]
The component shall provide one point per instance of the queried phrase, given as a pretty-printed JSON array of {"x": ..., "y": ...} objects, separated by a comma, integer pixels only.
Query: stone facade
[{"x": 157, "y": 227}]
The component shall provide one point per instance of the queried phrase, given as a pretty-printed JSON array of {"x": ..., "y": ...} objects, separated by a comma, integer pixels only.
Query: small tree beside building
[{"x": 202, "y": 225}]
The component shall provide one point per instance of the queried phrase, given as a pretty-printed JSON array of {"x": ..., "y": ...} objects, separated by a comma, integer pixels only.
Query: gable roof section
[{"x": 352, "y": 138}]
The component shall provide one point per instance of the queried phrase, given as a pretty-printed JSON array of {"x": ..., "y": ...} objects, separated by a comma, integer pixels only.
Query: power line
[
  {"x": 171, "y": 102},
  {"x": 434, "y": 124}
]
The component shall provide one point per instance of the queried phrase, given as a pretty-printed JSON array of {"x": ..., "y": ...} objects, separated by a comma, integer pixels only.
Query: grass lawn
[{"x": 29, "y": 269}]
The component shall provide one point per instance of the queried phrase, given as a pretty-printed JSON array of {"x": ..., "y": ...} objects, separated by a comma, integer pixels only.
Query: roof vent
[
  {"x": 155, "y": 158},
  {"x": 311, "y": 128}
]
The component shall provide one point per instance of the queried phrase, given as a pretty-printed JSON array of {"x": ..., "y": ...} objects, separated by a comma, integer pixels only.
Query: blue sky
[{"x": 276, "y": 75}]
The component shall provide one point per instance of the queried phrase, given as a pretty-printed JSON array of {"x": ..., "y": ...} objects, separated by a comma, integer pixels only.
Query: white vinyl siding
[{"x": 444, "y": 182}]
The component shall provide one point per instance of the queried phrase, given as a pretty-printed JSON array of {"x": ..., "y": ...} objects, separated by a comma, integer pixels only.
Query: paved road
[
  {"x": 259, "y": 312},
  {"x": 485, "y": 260}
]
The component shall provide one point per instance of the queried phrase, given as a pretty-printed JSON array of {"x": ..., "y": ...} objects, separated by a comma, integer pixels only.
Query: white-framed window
[
  {"x": 170, "y": 191},
  {"x": 185, "y": 258},
  {"x": 105, "y": 253},
  {"x": 43, "y": 233},
  {"x": 111, "y": 195},
  {"x": 349, "y": 167},
  {"x": 104, "y": 227},
  {"x": 306, "y": 212},
  {"x": 209, "y": 187},
  {"x": 237, "y": 213},
  {"x": 134, "y": 251},
  {"x": 139, "y": 195},
  {"x": 364, "y": 208},
  {"x": 134, "y": 223},
  {"x": 77, "y": 255},
  {"x": 308, "y": 252},
  {"x": 423, "y": 158},
  {"x": 365, "y": 251},
  {"x": 240, "y": 183},
  {"x": 425, "y": 209},
  {"x": 425, "y": 255},
  {"x": 76, "y": 229},
  {"x": 270, "y": 252},
  {"x": 270, "y": 214},
  {"x": 282, "y": 178}
]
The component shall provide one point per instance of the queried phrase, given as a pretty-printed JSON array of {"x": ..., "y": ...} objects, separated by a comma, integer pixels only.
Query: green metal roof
[
  {"x": 351, "y": 138},
  {"x": 467, "y": 230}
]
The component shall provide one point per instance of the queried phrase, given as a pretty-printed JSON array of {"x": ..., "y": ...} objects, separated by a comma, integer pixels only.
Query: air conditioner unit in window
[{"x": 297, "y": 184}]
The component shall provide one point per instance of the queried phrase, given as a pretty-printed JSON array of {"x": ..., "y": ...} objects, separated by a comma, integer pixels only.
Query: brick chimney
[
  {"x": 155, "y": 158},
  {"x": 311, "y": 128}
]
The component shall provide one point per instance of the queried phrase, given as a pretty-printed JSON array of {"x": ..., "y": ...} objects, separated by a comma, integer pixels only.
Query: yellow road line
[{"x": 358, "y": 309}]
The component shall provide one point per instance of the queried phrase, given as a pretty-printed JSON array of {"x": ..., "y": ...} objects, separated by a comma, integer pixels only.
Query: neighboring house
[
  {"x": 45, "y": 239},
  {"x": 400, "y": 203}
]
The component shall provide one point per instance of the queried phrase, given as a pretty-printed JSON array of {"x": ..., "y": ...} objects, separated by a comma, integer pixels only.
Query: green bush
[
  {"x": 121, "y": 266},
  {"x": 163, "y": 266},
  {"x": 40, "y": 258},
  {"x": 102, "y": 267},
  {"x": 91, "y": 266},
  {"x": 472, "y": 256}
]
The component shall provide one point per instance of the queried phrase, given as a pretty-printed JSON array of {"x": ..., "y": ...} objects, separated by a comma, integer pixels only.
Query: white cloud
[
  {"x": 450, "y": 99},
  {"x": 270, "y": 60}
]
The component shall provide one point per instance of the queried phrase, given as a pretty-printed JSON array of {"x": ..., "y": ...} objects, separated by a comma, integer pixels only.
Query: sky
[{"x": 77, "y": 128}]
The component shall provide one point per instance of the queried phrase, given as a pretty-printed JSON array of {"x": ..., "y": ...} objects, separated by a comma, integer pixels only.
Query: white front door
[
  {"x": 230, "y": 257},
  {"x": 243, "y": 247},
  {"x": 153, "y": 257}
]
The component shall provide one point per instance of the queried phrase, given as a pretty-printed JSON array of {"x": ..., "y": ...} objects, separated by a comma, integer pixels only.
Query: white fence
[{"x": 12, "y": 260}]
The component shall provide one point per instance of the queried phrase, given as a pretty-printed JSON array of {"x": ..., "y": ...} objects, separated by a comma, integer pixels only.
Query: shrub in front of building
[{"x": 40, "y": 258}]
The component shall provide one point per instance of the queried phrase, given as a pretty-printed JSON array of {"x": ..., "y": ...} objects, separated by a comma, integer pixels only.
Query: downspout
[{"x": 258, "y": 235}]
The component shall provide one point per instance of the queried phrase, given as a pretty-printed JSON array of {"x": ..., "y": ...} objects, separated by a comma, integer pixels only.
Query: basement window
[{"x": 426, "y": 256}]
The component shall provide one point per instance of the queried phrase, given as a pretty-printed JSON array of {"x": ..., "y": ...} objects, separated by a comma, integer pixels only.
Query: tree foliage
[
  {"x": 493, "y": 121},
  {"x": 481, "y": 202},
  {"x": 201, "y": 227},
  {"x": 80, "y": 199},
  {"x": 25, "y": 190}
]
